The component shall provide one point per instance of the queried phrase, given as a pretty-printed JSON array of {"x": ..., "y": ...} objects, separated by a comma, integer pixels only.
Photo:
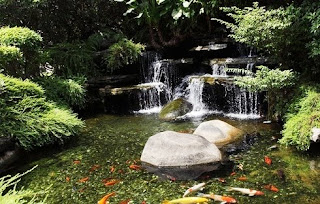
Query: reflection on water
[{"x": 116, "y": 142}]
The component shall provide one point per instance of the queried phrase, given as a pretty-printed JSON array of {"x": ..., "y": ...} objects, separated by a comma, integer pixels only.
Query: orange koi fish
[
  {"x": 267, "y": 160},
  {"x": 222, "y": 199},
  {"x": 247, "y": 191},
  {"x": 105, "y": 198},
  {"x": 67, "y": 178},
  {"x": 125, "y": 201},
  {"x": 112, "y": 169},
  {"x": 111, "y": 182},
  {"x": 76, "y": 162},
  {"x": 144, "y": 202},
  {"x": 135, "y": 167},
  {"x": 271, "y": 188},
  {"x": 233, "y": 173},
  {"x": 84, "y": 180},
  {"x": 242, "y": 178},
  {"x": 94, "y": 167}
]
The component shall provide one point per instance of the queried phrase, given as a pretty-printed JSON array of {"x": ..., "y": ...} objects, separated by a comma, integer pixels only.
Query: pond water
[{"x": 110, "y": 144}]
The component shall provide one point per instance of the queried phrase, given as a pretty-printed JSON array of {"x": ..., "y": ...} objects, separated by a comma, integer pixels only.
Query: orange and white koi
[
  {"x": 194, "y": 189},
  {"x": 105, "y": 198},
  {"x": 222, "y": 199},
  {"x": 247, "y": 191}
]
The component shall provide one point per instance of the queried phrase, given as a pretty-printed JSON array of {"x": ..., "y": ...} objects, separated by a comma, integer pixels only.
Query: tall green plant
[
  {"x": 11, "y": 60},
  {"x": 270, "y": 80}
]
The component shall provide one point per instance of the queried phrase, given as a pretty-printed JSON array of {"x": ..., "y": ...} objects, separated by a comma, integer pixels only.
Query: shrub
[
  {"x": 29, "y": 43},
  {"x": 10, "y": 195},
  {"x": 72, "y": 59},
  {"x": 27, "y": 116},
  {"x": 303, "y": 114},
  {"x": 67, "y": 92},
  {"x": 11, "y": 60},
  {"x": 122, "y": 53}
]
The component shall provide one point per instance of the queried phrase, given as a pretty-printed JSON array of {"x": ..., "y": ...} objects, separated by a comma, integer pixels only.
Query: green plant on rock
[
  {"x": 122, "y": 53},
  {"x": 29, "y": 43},
  {"x": 9, "y": 194},
  {"x": 270, "y": 80},
  {"x": 303, "y": 115},
  {"x": 28, "y": 117}
]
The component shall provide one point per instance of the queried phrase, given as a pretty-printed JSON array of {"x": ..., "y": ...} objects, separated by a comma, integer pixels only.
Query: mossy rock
[{"x": 174, "y": 109}]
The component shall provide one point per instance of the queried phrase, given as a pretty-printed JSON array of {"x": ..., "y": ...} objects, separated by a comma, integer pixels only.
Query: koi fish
[
  {"x": 105, "y": 198},
  {"x": 84, "y": 180},
  {"x": 112, "y": 169},
  {"x": 125, "y": 201},
  {"x": 135, "y": 167},
  {"x": 242, "y": 178},
  {"x": 187, "y": 200},
  {"x": 111, "y": 182},
  {"x": 76, "y": 162},
  {"x": 221, "y": 180},
  {"x": 247, "y": 191},
  {"x": 222, "y": 199},
  {"x": 233, "y": 173},
  {"x": 94, "y": 167},
  {"x": 267, "y": 160},
  {"x": 271, "y": 188},
  {"x": 144, "y": 202},
  {"x": 194, "y": 189}
]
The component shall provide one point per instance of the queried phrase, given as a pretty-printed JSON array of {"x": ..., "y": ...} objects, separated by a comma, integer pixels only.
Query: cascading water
[
  {"x": 195, "y": 91},
  {"x": 218, "y": 70},
  {"x": 159, "y": 75}
]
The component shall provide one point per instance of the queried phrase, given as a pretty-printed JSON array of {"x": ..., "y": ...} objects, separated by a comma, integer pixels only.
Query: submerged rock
[
  {"x": 180, "y": 155},
  {"x": 174, "y": 109},
  {"x": 218, "y": 132}
]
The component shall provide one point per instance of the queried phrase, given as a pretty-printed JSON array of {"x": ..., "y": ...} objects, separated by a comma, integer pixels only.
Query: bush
[
  {"x": 11, "y": 60},
  {"x": 29, "y": 43},
  {"x": 27, "y": 116},
  {"x": 67, "y": 92},
  {"x": 14, "y": 196},
  {"x": 303, "y": 114},
  {"x": 122, "y": 53}
]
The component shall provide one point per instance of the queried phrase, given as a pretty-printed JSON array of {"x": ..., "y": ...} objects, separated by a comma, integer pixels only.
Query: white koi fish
[
  {"x": 194, "y": 189},
  {"x": 247, "y": 191},
  {"x": 222, "y": 199}
]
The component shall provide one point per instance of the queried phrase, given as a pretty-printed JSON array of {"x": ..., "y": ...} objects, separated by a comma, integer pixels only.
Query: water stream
[{"x": 112, "y": 143}]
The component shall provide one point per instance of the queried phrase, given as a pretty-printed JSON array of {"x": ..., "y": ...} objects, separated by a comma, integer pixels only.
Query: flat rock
[
  {"x": 218, "y": 132},
  {"x": 173, "y": 149},
  {"x": 175, "y": 109}
]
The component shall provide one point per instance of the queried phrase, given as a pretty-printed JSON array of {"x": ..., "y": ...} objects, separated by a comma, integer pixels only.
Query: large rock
[
  {"x": 218, "y": 132},
  {"x": 173, "y": 149},
  {"x": 174, "y": 109}
]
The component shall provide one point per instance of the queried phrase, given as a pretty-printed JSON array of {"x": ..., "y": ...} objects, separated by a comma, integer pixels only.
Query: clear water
[{"x": 117, "y": 141}]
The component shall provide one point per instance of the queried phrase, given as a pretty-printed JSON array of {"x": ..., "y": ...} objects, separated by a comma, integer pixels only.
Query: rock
[
  {"x": 174, "y": 109},
  {"x": 315, "y": 134},
  {"x": 173, "y": 149},
  {"x": 218, "y": 132}
]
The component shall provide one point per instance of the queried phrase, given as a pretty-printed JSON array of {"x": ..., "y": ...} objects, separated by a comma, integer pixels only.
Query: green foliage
[
  {"x": 28, "y": 117},
  {"x": 25, "y": 61},
  {"x": 267, "y": 79},
  {"x": 67, "y": 92},
  {"x": 11, "y": 60},
  {"x": 123, "y": 53},
  {"x": 24, "y": 38},
  {"x": 71, "y": 59},
  {"x": 257, "y": 26},
  {"x": 303, "y": 114},
  {"x": 10, "y": 195}
]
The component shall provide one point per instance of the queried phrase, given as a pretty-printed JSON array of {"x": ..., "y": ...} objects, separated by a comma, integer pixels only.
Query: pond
[{"x": 78, "y": 171}]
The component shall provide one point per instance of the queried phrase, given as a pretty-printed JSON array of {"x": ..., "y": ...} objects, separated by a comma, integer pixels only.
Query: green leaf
[
  {"x": 159, "y": 1},
  {"x": 130, "y": 2},
  {"x": 128, "y": 11},
  {"x": 176, "y": 14},
  {"x": 139, "y": 16},
  {"x": 186, "y": 4}
]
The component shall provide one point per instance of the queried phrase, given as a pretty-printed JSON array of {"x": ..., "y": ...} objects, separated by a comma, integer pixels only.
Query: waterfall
[
  {"x": 218, "y": 70},
  {"x": 195, "y": 89},
  {"x": 160, "y": 75}
]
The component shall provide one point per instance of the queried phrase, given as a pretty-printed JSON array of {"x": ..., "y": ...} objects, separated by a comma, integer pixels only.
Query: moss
[{"x": 175, "y": 108}]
